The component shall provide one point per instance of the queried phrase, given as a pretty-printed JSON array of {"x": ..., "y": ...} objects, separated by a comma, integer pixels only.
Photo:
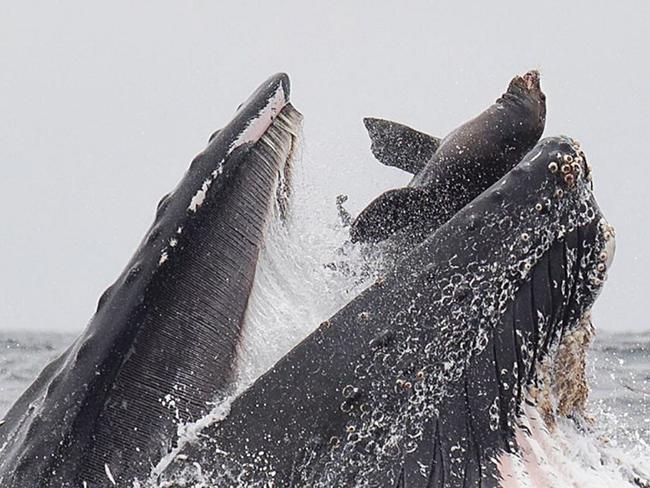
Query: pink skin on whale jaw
[{"x": 260, "y": 124}]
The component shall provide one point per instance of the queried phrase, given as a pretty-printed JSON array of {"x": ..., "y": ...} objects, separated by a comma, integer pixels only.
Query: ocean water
[
  {"x": 619, "y": 368},
  {"x": 22, "y": 356},
  {"x": 620, "y": 398},
  {"x": 614, "y": 449}
]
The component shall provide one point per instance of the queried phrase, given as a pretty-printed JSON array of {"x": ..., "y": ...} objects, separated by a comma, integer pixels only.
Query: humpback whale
[
  {"x": 162, "y": 342},
  {"x": 419, "y": 381},
  {"x": 451, "y": 172}
]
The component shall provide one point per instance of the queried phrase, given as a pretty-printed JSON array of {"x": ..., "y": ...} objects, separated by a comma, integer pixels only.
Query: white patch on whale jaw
[
  {"x": 199, "y": 196},
  {"x": 109, "y": 475}
]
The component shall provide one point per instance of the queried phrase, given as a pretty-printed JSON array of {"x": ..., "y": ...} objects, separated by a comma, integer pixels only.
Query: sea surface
[
  {"x": 620, "y": 380},
  {"x": 619, "y": 369},
  {"x": 619, "y": 366}
]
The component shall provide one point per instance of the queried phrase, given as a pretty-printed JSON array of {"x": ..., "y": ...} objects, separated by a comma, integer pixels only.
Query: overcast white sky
[{"x": 103, "y": 106}]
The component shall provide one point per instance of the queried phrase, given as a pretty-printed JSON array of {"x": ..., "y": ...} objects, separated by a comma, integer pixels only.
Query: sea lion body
[{"x": 463, "y": 165}]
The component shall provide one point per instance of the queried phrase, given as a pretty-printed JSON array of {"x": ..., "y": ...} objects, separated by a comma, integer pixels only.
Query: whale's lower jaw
[
  {"x": 420, "y": 380},
  {"x": 163, "y": 340}
]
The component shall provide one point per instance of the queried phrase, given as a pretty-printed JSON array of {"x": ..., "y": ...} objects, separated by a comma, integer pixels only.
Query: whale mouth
[{"x": 268, "y": 127}]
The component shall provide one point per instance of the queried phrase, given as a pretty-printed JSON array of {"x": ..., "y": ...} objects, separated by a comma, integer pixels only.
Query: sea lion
[{"x": 450, "y": 173}]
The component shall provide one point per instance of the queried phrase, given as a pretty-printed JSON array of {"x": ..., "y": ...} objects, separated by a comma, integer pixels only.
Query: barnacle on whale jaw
[{"x": 561, "y": 387}]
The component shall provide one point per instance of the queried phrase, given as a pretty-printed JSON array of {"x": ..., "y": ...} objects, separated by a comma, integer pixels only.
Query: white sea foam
[
  {"x": 295, "y": 286},
  {"x": 573, "y": 454}
]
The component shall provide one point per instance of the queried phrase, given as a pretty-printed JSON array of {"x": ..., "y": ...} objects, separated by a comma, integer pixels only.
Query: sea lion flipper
[
  {"x": 397, "y": 145},
  {"x": 389, "y": 212}
]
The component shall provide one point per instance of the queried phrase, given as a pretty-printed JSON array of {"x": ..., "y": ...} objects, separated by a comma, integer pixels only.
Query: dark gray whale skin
[
  {"x": 448, "y": 174},
  {"x": 162, "y": 341},
  {"x": 418, "y": 381}
]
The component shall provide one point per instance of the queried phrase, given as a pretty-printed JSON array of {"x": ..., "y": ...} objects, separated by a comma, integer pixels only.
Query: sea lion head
[{"x": 525, "y": 93}]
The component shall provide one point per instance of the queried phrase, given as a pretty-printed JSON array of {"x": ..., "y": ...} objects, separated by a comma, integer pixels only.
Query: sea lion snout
[
  {"x": 525, "y": 91},
  {"x": 528, "y": 82},
  {"x": 531, "y": 80}
]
